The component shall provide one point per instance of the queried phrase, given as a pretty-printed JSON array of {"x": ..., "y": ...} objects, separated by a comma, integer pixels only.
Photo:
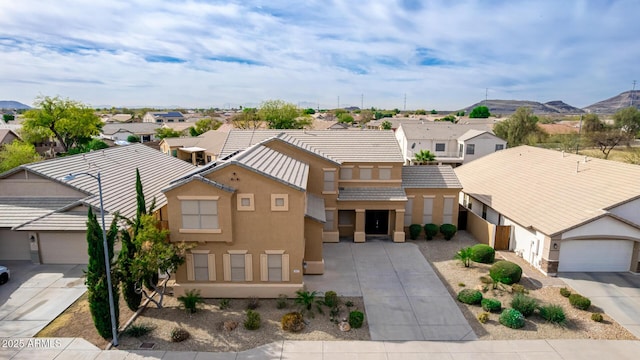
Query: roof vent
[
  {"x": 563, "y": 154},
  {"x": 585, "y": 159},
  {"x": 577, "y": 167}
]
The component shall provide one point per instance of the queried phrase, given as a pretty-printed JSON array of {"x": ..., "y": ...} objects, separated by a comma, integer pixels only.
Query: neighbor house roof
[
  {"x": 117, "y": 171},
  {"x": 372, "y": 194},
  {"x": 470, "y": 134},
  {"x": 429, "y": 177},
  {"x": 212, "y": 141},
  {"x": 7, "y": 136},
  {"x": 440, "y": 130},
  {"x": 341, "y": 146},
  {"x": 134, "y": 128},
  {"x": 549, "y": 190},
  {"x": 15, "y": 211}
]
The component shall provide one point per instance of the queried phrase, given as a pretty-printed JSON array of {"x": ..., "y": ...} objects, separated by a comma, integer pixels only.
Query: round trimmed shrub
[
  {"x": 331, "y": 299},
  {"x": 430, "y": 230},
  {"x": 483, "y": 317},
  {"x": 565, "y": 292},
  {"x": 414, "y": 231},
  {"x": 356, "y": 318},
  {"x": 524, "y": 304},
  {"x": 553, "y": 313},
  {"x": 491, "y": 305},
  {"x": 483, "y": 253},
  {"x": 470, "y": 296},
  {"x": 252, "y": 321},
  {"x": 597, "y": 317},
  {"x": 511, "y": 318},
  {"x": 505, "y": 272},
  {"x": 292, "y": 322},
  {"x": 579, "y": 302},
  {"x": 448, "y": 230}
]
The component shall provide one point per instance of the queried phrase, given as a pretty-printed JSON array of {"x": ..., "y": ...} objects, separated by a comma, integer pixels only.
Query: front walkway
[{"x": 404, "y": 299}]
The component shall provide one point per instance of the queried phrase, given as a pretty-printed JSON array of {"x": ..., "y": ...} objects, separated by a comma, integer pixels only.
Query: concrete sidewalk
[{"x": 68, "y": 348}]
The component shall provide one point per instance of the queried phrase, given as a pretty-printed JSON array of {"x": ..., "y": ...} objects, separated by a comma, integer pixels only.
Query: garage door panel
[
  {"x": 63, "y": 248},
  {"x": 14, "y": 245},
  {"x": 595, "y": 255}
]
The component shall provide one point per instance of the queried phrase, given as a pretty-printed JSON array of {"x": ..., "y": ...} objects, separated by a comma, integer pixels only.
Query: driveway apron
[{"x": 404, "y": 299}]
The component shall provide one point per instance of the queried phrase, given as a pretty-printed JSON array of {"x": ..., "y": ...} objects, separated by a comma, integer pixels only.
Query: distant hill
[
  {"x": 10, "y": 104},
  {"x": 510, "y": 106},
  {"x": 616, "y": 103}
]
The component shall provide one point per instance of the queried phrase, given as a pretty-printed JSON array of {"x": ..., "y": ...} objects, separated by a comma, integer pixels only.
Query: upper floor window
[
  {"x": 329, "y": 180},
  {"x": 499, "y": 147},
  {"x": 384, "y": 173},
  {"x": 199, "y": 214},
  {"x": 346, "y": 173},
  {"x": 245, "y": 202},
  {"x": 365, "y": 173},
  {"x": 471, "y": 149},
  {"x": 440, "y": 147},
  {"x": 279, "y": 202}
]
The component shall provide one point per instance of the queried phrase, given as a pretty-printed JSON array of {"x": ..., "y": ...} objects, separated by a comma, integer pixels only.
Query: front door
[{"x": 376, "y": 222}]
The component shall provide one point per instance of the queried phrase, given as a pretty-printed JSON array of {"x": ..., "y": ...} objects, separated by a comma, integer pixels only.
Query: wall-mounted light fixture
[{"x": 555, "y": 246}]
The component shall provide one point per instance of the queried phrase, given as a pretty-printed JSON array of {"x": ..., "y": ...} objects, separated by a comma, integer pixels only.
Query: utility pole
[
  {"x": 579, "y": 135},
  {"x": 632, "y": 92},
  {"x": 405, "y": 102},
  {"x": 338, "y": 102},
  {"x": 486, "y": 95}
]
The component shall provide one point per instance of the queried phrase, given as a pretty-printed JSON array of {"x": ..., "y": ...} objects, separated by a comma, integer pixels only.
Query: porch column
[
  {"x": 359, "y": 235},
  {"x": 635, "y": 258},
  {"x": 398, "y": 233}
]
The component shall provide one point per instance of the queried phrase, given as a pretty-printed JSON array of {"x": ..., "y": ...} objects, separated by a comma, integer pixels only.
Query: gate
[{"x": 503, "y": 233}]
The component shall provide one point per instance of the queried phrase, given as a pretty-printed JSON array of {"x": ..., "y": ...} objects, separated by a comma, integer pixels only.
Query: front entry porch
[{"x": 362, "y": 224}]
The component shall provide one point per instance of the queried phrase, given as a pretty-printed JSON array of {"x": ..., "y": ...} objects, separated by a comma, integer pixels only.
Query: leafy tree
[
  {"x": 345, "y": 118},
  {"x": 204, "y": 125},
  {"x": 281, "y": 115},
  {"x": 480, "y": 112},
  {"x": 17, "y": 153},
  {"x": 366, "y": 116},
  {"x": 518, "y": 128},
  {"x": 386, "y": 125},
  {"x": 70, "y": 122},
  {"x": 607, "y": 139},
  {"x": 628, "y": 120},
  {"x": 166, "y": 132},
  {"x": 308, "y": 111},
  {"x": 460, "y": 113},
  {"x": 8, "y": 117},
  {"x": 96, "y": 276},
  {"x": 591, "y": 123},
  {"x": 434, "y": 112},
  {"x": 93, "y": 145},
  {"x": 421, "y": 112},
  {"x": 247, "y": 119},
  {"x": 424, "y": 157},
  {"x": 133, "y": 139}
]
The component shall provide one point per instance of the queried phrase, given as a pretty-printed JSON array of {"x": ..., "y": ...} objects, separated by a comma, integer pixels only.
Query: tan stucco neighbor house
[
  {"x": 560, "y": 212},
  {"x": 43, "y": 218},
  {"x": 260, "y": 214},
  {"x": 198, "y": 150}
]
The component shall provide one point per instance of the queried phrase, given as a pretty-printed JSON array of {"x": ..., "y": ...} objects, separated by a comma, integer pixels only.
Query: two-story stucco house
[
  {"x": 452, "y": 144},
  {"x": 259, "y": 215}
]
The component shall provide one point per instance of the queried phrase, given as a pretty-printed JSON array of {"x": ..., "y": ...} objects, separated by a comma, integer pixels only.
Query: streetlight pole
[{"x": 114, "y": 331}]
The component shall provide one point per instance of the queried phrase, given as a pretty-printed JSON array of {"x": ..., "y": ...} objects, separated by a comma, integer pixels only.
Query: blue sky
[{"x": 441, "y": 54}]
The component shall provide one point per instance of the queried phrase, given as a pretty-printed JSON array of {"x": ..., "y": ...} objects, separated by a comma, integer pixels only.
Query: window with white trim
[
  {"x": 447, "y": 211},
  {"x": 427, "y": 213},
  {"x": 279, "y": 202},
  {"x": 384, "y": 173},
  {"x": 440, "y": 146},
  {"x": 199, "y": 214},
  {"x": 274, "y": 266},
  {"x": 329, "y": 180},
  {"x": 201, "y": 266},
  {"x": 408, "y": 211},
  {"x": 245, "y": 202},
  {"x": 238, "y": 268}
]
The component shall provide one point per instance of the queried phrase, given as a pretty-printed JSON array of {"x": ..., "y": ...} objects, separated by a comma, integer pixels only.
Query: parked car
[{"x": 4, "y": 274}]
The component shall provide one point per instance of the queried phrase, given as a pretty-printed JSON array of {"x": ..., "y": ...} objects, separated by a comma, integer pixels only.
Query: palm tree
[{"x": 423, "y": 157}]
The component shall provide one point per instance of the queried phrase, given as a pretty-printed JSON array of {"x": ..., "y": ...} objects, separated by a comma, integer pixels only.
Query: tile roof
[
  {"x": 134, "y": 128},
  {"x": 341, "y": 146},
  {"x": 15, "y": 211},
  {"x": 429, "y": 177},
  {"x": 440, "y": 130},
  {"x": 117, "y": 167},
  {"x": 175, "y": 184},
  {"x": 372, "y": 194},
  {"x": 549, "y": 190},
  {"x": 273, "y": 164},
  {"x": 211, "y": 140},
  {"x": 63, "y": 221},
  {"x": 315, "y": 208}
]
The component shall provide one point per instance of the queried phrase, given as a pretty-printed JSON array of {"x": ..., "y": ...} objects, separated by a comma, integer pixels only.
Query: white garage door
[
  {"x": 63, "y": 248},
  {"x": 595, "y": 255},
  {"x": 14, "y": 245}
]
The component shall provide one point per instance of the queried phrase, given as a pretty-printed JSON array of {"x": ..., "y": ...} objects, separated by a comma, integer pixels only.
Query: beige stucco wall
[
  {"x": 482, "y": 230},
  {"x": 313, "y": 256},
  {"x": 438, "y": 204}
]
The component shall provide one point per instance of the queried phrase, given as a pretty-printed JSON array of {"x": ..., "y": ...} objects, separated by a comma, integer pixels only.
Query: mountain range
[{"x": 13, "y": 105}]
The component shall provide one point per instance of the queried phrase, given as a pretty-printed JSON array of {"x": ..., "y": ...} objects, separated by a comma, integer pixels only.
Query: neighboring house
[
  {"x": 121, "y": 132},
  {"x": 259, "y": 215},
  {"x": 163, "y": 117},
  {"x": 117, "y": 118},
  {"x": 452, "y": 144},
  {"x": 558, "y": 211},
  {"x": 7, "y": 136},
  {"x": 198, "y": 150},
  {"x": 43, "y": 218}
]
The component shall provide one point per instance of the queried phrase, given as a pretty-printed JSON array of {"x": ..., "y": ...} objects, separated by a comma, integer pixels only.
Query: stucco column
[
  {"x": 359, "y": 235},
  {"x": 398, "y": 233}
]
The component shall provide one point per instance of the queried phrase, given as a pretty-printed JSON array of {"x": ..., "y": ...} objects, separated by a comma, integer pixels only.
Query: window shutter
[
  {"x": 212, "y": 266},
  {"x": 226, "y": 264},
  {"x": 190, "y": 270},
  {"x": 248, "y": 268},
  {"x": 285, "y": 267},
  {"x": 264, "y": 267}
]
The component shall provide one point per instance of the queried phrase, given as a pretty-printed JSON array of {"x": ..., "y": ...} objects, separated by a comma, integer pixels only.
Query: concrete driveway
[
  {"x": 617, "y": 294},
  {"x": 403, "y": 297},
  {"x": 37, "y": 294}
]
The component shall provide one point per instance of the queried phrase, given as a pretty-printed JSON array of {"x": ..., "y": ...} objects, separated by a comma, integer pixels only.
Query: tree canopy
[
  {"x": 386, "y": 125},
  {"x": 70, "y": 122},
  {"x": 204, "y": 125},
  {"x": 518, "y": 128},
  {"x": 628, "y": 120},
  {"x": 282, "y": 115},
  {"x": 481, "y": 112},
  {"x": 247, "y": 119},
  {"x": 17, "y": 153},
  {"x": 165, "y": 132},
  {"x": 424, "y": 157}
]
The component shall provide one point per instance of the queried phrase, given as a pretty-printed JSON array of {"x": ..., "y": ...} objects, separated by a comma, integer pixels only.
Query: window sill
[{"x": 200, "y": 231}]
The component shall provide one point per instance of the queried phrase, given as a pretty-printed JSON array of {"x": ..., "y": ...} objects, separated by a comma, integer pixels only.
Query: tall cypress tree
[{"x": 96, "y": 280}]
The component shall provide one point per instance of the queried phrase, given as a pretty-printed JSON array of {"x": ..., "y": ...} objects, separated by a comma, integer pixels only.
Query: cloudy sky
[{"x": 439, "y": 54}]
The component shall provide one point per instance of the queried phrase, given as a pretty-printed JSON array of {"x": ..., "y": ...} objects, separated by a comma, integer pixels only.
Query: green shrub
[
  {"x": 526, "y": 305},
  {"x": 511, "y": 318},
  {"x": 224, "y": 304},
  {"x": 138, "y": 330},
  {"x": 292, "y": 322},
  {"x": 464, "y": 255},
  {"x": 470, "y": 296},
  {"x": 307, "y": 301},
  {"x": 282, "y": 301},
  {"x": 348, "y": 304},
  {"x": 179, "y": 334},
  {"x": 518, "y": 289},
  {"x": 252, "y": 322},
  {"x": 190, "y": 300},
  {"x": 491, "y": 305},
  {"x": 553, "y": 313},
  {"x": 565, "y": 292},
  {"x": 414, "y": 231},
  {"x": 579, "y": 302},
  {"x": 448, "y": 230},
  {"x": 461, "y": 284},
  {"x": 505, "y": 272},
  {"x": 430, "y": 230},
  {"x": 356, "y": 318},
  {"x": 485, "y": 279},
  {"x": 253, "y": 303},
  {"x": 597, "y": 317},
  {"x": 483, "y": 317},
  {"x": 331, "y": 299},
  {"x": 482, "y": 253}
]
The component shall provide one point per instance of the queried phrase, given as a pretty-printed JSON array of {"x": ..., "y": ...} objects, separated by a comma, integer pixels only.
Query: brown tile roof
[{"x": 549, "y": 190}]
